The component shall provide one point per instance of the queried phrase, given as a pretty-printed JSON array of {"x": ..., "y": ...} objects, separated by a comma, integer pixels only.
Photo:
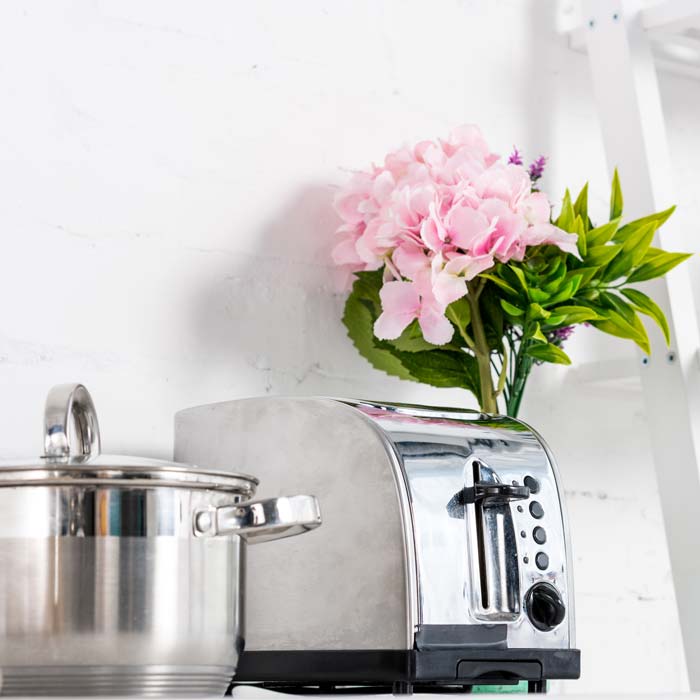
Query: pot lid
[{"x": 66, "y": 461}]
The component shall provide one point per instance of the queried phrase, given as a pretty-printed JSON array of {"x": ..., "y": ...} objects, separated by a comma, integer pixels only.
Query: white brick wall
[{"x": 165, "y": 187}]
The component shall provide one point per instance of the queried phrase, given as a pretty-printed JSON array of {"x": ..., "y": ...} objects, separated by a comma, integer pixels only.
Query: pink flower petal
[
  {"x": 410, "y": 259},
  {"x": 432, "y": 233},
  {"x": 398, "y": 162},
  {"x": 391, "y": 326},
  {"x": 535, "y": 208},
  {"x": 400, "y": 298},
  {"x": 435, "y": 327},
  {"x": 347, "y": 207},
  {"x": 350, "y": 200},
  {"x": 420, "y": 148},
  {"x": 465, "y": 225},
  {"x": 468, "y": 266},
  {"x": 508, "y": 182},
  {"x": 345, "y": 253},
  {"x": 549, "y": 234},
  {"x": 469, "y": 135},
  {"x": 448, "y": 288},
  {"x": 376, "y": 240},
  {"x": 383, "y": 186},
  {"x": 400, "y": 305}
]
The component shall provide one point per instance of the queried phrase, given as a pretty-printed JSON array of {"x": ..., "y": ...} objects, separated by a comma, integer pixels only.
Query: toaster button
[
  {"x": 536, "y": 510},
  {"x": 539, "y": 535},
  {"x": 532, "y": 484},
  {"x": 542, "y": 560}
]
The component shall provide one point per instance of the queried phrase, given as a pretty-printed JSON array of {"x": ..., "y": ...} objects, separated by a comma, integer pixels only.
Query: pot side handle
[{"x": 260, "y": 521}]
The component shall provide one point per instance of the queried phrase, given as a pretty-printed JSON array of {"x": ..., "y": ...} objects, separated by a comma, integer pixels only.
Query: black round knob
[
  {"x": 544, "y": 606},
  {"x": 539, "y": 534},
  {"x": 536, "y": 510},
  {"x": 532, "y": 483}
]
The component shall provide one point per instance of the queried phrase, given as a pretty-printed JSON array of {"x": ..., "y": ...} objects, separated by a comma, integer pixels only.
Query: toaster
[{"x": 444, "y": 555}]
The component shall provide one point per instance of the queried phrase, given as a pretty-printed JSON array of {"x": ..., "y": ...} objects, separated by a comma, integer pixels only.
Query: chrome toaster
[{"x": 444, "y": 558}]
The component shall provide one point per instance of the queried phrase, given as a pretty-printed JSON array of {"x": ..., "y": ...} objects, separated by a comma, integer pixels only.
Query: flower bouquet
[{"x": 463, "y": 279}]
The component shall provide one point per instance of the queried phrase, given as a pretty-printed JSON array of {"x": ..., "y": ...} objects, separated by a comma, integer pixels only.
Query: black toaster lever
[{"x": 486, "y": 492}]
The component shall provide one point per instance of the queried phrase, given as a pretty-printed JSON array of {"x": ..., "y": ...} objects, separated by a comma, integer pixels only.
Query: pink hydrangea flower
[{"x": 435, "y": 216}]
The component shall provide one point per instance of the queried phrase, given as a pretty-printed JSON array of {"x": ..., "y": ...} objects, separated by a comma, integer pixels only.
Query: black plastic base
[{"x": 444, "y": 667}]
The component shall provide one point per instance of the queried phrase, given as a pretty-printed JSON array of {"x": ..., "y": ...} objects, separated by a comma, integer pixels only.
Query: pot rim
[{"x": 118, "y": 472}]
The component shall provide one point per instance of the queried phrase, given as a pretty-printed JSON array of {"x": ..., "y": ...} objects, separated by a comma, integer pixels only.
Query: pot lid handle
[{"x": 64, "y": 402}]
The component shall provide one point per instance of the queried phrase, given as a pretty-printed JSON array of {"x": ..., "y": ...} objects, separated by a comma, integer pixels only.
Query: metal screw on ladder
[
  {"x": 616, "y": 16},
  {"x": 591, "y": 23},
  {"x": 670, "y": 357},
  {"x": 645, "y": 360}
]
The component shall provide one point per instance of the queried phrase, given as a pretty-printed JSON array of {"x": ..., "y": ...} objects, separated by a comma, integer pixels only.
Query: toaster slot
[
  {"x": 492, "y": 544},
  {"x": 480, "y": 548}
]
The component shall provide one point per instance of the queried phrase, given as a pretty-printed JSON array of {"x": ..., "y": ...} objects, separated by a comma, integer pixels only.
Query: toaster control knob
[{"x": 544, "y": 606}]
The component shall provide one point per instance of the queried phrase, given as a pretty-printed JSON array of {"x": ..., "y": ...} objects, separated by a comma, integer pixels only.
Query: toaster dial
[{"x": 544, "y": 606}]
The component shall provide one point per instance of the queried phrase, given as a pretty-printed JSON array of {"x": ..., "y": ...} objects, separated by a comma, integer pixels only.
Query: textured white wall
[{"x": 165, "y": 188}]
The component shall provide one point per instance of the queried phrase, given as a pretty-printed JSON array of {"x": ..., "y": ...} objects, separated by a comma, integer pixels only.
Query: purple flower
[
  {"x": 515, "y": 158},
  {"x": 537, "y": 168},
  {"x": 559, "y": 335}
]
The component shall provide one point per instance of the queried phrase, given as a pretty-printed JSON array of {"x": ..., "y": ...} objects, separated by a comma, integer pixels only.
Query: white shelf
[{"x": 673, "y": 29}]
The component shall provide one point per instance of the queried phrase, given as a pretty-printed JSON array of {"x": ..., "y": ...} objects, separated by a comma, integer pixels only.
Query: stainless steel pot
[{"x": 124, "y": 576}]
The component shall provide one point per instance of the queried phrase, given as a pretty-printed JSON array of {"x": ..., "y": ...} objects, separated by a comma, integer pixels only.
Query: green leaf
[
  {"x": 616, "y": 200},
  {"x": 520, "y": 275},
  {"x": 538, "y": 334},
  {"x": 511, "y": 309},
  {"x": 536, "y": 313},
  {"x": 567, "y": 216},
  {"x": 617, "y": 326},
  {"x": 651, "y": 254},
  {"x": 359, "y": 321},
  {"x": 460, "y": 312},
  {"x": 658, "y": 266},
  {"x": 657, "y": 219},
  {"x": 633, "y": 251},
  {"x": 649, "y": 307},
  {"x": 539, "y": 295},
  {"x": 411, "y": 340},
  {"x": 443, "y": 368},
  {"x": 492, "y": 316},
  {"x": 555, "y": 278},
  {"x": 366, "y": 286},
  {"x": 612, "y": 301},
  {"x": 589, "y": 294},
  {"x": 580, "y": 231},
  {"x": 581, "y": 206},
  {"x": 499, "y": 283},
  {"x": 567, "y": 291},
  {"x": 586, "y": 274},
  {"x": 548, "y": 353},
  {"x": 601, "y": 255},
  {"x": 576, "y": 314},
  {"x": 602, "y": 234},
  {"x": 622, "y": 320},
  {"x": 637, "y": 244}
]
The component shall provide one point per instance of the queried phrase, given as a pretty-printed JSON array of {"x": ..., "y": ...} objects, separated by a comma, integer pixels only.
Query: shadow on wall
[{"x": 276, "y": 310}]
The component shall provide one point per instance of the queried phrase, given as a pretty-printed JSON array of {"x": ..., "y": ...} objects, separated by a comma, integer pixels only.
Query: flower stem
[
  {"x": 481, "y": 351},
  {"x": 503, "y": 374},
  {"x": 522, "y": 367}
]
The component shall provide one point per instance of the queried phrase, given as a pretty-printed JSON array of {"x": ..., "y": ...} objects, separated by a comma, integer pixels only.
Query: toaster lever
[
  {"x": 487, "y": 493},
  {"x": 493, "y": 546}
]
